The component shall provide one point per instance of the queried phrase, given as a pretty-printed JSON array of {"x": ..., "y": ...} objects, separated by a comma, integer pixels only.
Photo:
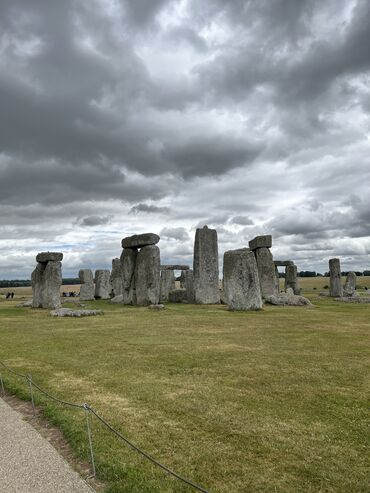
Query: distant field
[{"x": 308, "y": 285}]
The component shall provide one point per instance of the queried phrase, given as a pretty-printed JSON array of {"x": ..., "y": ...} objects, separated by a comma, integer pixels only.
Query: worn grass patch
[{"x": 272, "y": 401}]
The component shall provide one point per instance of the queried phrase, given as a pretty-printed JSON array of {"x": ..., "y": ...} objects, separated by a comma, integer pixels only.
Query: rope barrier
[{"x": 88, "y": 409}]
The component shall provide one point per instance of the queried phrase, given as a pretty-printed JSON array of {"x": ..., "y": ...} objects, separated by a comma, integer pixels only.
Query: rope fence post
[
  {"x": 29, "y": 378},
  {"x": 87, "y": 412},
  {"x": 2, "y": 384}
]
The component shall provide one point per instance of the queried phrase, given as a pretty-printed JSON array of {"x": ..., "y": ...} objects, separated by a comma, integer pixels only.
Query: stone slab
[
  {"x": 264, "y": 241},
  {"x": 175, "y": 267},
  {"x": 43, "y": 257},
  {"x": 138, "y": 241}
]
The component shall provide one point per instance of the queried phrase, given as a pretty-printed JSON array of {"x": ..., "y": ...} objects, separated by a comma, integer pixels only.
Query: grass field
[{"x": 269, "y": 401}]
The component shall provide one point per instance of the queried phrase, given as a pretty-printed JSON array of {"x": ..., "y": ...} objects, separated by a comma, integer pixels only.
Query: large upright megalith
[
  {"x": 147, "y": 276},
  {"x": 240, "y": 280},
  {"x": 265, "y": 263},
  {"x": 349, "y": 289},
  {"x": 205, "y": 268},
  {"x": 140, "y": 264},
  {"x": 102, "y": 284},
  {"x": 189, "y": 286},
  {"x": 291, "y": 279},
  {"x": 116, "y": 277},
  {"x": 46, "y": 280},
  {"x": 336, "y": 289},
  {"x": 167, "y": 284},
  {"x": 87, "y": 289}
]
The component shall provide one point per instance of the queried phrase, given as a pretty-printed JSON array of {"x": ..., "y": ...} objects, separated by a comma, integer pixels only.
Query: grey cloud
[
  {"x": 95, "y": 220},
  {"x": 149, "y": 209},
  {"x": 242, "y": 220},
  {"x": 175, "y": 233}
]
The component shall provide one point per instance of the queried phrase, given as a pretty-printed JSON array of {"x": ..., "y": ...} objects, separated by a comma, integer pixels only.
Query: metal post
[
  {"x": 87, "y": 411},
  {"x": 29, "y": 378},
  {"x": 2, "y": 384}
]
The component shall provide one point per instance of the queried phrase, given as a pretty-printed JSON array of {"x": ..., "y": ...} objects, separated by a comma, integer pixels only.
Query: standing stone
[
  {"x": 277, "y": 279},
  {"x": 189, "y": 286},
  {"x": 291, "y": 279},
  {"x": 350, "y": 285},
  {"x": 128, "y": 263},
  {"x": 266, "y": 271},
  {"x": 182, "y": 279},
  {"x": 102, "y": 284},
  {"x": 241, "y": 283},
  {"x": 116, "y": 277},
  {"x": 87, "y": 288},
  {"x": 336, "y": 289},
  {"x": 206, "y": 282},
  {"x": 147, "y": 276},
  {"x": 167, "y": 284},
  {"x": 46, "y": 280}
]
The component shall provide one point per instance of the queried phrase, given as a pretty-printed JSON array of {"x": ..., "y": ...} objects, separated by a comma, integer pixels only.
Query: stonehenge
[
  {"x": 291, "y": 279},
  {"x": 167, "y": 284},
  {"x": 46, "y": 280},
  {"x": 205, "y": 266},
  {"x": 116, "y": 277},
  {"x": 241, "y": 282},
  {"x": 141, "y": 267},
  {"x": 336, "y": 289},
  {"x": 265, "y": 264},
  {"x": 349, "y": 288},
  {"x": 102, "y": 284},
  {"x": 189, "y": 286},
  {"x": 87, "y": 289}
]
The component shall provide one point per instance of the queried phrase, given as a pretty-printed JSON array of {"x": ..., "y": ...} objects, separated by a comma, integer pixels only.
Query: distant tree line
[{"x": 26, "y": 282}]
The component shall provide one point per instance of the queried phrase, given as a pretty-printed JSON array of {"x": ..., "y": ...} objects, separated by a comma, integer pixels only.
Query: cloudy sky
[{"x": 126, "y": 116}]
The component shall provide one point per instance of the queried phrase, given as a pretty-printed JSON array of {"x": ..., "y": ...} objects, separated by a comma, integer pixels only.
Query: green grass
[{"x": 270, "y": 401}]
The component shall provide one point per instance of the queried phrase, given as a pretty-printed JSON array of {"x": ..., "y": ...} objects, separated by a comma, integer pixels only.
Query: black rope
[
  {"x": 145, "y": 454},
  {"x": 71, "y": 404},
  {"x": 12, "y": 371}
]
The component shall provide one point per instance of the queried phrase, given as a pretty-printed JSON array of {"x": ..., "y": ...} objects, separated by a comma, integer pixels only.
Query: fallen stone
[
  {"x": 241, "y": 283},
  {"x": 156, "y": 307},
  {"x": 148, "y": 276},
  {"x": 288, "y": 299},
  {"x": 175, "y": 267},
  {"x": 178, "y": 296},
  {"x": 206, "y": 277},
  {"x": 67, "y": 312},
  {"x": 49, "y": 257},
  {"x": 25, "y": 304},
  {"x": 261, "y": 242},
  {"x": 336, "y": 289},
  {"x": 117, "y": 299},
  {"x": 353, "y": 299},
  {"x": 266, "y": 272},
  {"x": 138, "y": 241}
]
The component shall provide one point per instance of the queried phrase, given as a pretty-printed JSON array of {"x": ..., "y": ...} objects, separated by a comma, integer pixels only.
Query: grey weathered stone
[
  {"x": 138, "y": 241},
  {"x": 102, "y": 284},
  {"x": 288, "y": 299},
  {"x": 277, "y": 279},
  {"x": 175, "y": 267},
  {"x": 67, "y": 312},
  {"x": 156, "y": 307},
  {"x": 25, "y": 304},
  {"x": 87, "y": 289},
  {"x": 283, "y": 263},
  {"x": 116, "y": 277},
  {"x": 44, "y": 257},
  {"x": 189, "y": 286},
  {"x": 167, "y": 284},
  {"x": 266, "y": 271},
  {"x": 46, "y": 281},
  {"x": 291, "y": 279},
  {"x": 182, "y": 279},
  {"x": 117, "y": 299},
  {"x": 178, "y": 296},
  {"x": 350, "y": 285},
  {"x": 147, "y": 276},
  {"x": 241, "y": 283},
  {"x": 206, "y": 279},
  {"x": 336, "y": 288},
  {"x": 128, "y": 263},
  {"x": 261, "y": 242}
]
